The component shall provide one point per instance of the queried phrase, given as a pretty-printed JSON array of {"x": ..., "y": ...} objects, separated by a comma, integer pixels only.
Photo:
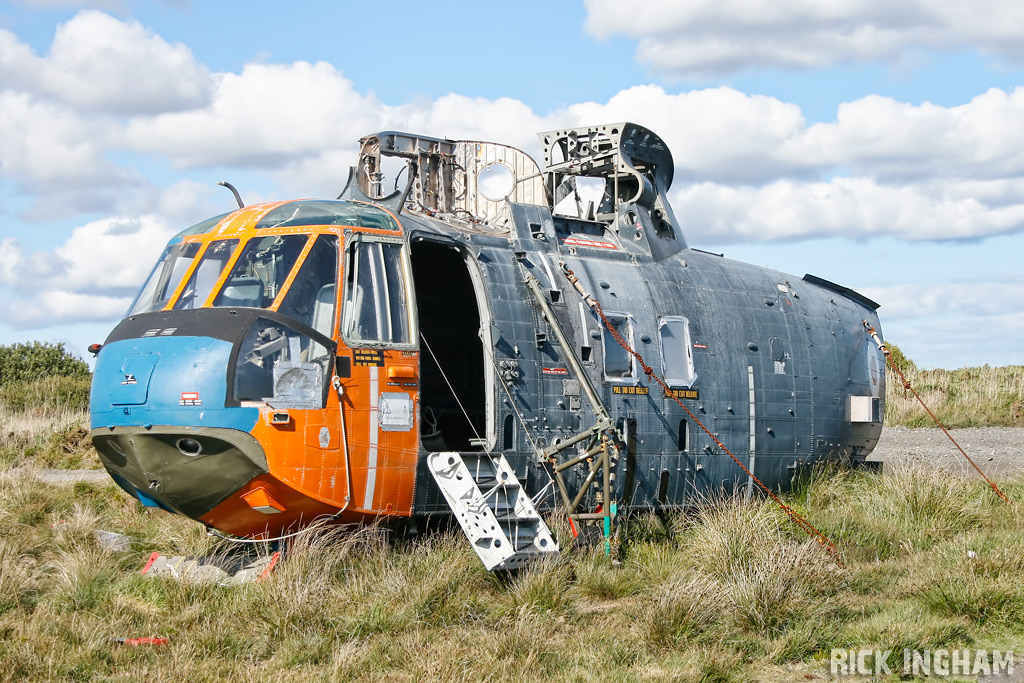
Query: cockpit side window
[
  {"x": 261, "y": 271},
  {"x": 163, "y": 281},
  {"x": 376, "y": 308},
  {"x": 676, "y": 351},
  {"x": 311, "y": 297},
  {"x": 618, "y": 364},
  {"x": 206, "y": 274},
  {"x": 282, "y": 366}
]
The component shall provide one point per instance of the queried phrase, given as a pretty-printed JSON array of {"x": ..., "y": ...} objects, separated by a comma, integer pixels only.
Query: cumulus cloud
[
  {"x": 44, "y": 309},
  {"x": 108, "y": 258},
  {"x": 994, "y": 295},
  {"x": 267, "y": 115},
  {"x": 855, "y": 207},
  {"x": 727, "y": 136},
  {"x": 46, "y": 147},
  {"x": 748, "y": 167},
  {"x": 714, "y": 37},
  {"x": 952, "y": 340},
  {"x": 100, "y": 63}
]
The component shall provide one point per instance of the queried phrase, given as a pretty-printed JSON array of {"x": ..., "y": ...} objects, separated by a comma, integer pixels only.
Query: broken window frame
[
  {"x": 385, "y": 296},
  {"x": 607, "y": 341},
  {"x": 669, "y": 370}
]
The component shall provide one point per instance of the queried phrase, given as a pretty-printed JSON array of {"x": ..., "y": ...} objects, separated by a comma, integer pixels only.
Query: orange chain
[
  {"x": 906, "y": 385},
  {"x": 795, "y": 516}
]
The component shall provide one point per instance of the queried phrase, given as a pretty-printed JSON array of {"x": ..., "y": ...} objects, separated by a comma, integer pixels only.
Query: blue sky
[{"x": 875, "y": 144}]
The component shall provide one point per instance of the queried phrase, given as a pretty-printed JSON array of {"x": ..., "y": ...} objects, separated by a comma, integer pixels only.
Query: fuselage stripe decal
[
  {"x": 753, "y": 422},
  {"x": 371, "y": 454}
]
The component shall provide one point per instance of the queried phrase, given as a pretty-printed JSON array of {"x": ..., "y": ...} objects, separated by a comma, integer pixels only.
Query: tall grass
[
  {"x": 733, "y": 593},
  {"x": 969, "y": 397},
  {"x": 43, "y": 423}
]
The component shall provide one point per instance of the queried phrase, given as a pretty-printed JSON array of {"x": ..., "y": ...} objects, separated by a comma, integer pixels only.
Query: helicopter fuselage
[{"x": 298, "y": 360}]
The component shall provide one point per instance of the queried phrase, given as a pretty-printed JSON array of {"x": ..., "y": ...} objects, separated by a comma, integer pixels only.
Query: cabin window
[
  {"x": 676, "y": 351},
  {"x": 320, "y": 212},
  {"x": 311, "y": 296},
  {"x": 508, "y": 434},
  {"x": 618, "y": 364},
  {"x": 261, "y": 271},
  {"x": 376, "y": 308},
  {"x": 281, "y": 366},
  {"x": 165, "y": 278},
  {"x": 206, "y": 274}
]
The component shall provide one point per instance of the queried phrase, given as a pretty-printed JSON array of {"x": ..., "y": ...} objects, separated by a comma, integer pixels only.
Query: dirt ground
[{"x": 998, "y": 451}]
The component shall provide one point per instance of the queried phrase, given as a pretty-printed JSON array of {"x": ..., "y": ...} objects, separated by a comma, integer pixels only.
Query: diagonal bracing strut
[{"x": 602, "y": 452}]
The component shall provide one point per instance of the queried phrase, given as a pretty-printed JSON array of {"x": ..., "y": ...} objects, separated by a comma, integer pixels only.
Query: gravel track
[{"x": 998, "y": 451}]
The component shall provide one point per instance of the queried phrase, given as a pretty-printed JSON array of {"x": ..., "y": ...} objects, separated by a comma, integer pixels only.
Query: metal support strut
[{"x": 602, "y": 455}]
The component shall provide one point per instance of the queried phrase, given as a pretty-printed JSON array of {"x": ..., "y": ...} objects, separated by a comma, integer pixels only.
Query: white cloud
[
  {"x": 262, "y": 117},
  {"x": 853, "y": 207},
  {"x": 951, "y": 340},
  {"x": 994, "y": 295},
  {"x": 46, "y": 147},
  {"x": 113, "y": 254},
  {"x": 100, "y": 63},
  {"x": 62, "y": 307},
  {"x": 106, "y": 258},
  {"x": 711, "y": 37},
  {"x": 714, "y": 134}
]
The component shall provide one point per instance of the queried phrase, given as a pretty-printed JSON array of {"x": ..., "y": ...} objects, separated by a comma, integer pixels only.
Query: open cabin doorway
[{"x": 453, "y": 395}]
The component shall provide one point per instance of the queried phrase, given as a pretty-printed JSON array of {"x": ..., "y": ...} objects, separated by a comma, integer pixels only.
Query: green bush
[
  {"x": 899, "y": 360},
  {"x": 36, "y": 360},
  {"x": 50, "y": 394}
]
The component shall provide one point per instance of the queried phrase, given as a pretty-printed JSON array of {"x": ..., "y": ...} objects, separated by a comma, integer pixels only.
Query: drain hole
[{"x": 189, "y": 447}]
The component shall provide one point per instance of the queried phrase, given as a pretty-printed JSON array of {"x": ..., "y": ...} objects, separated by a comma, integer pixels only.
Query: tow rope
[
  {"x": 906, "y": 385},
  {"x": 793, "y": 515}
]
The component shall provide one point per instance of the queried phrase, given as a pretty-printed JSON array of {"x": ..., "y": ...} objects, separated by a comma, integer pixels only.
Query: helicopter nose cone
[{"x": 186, "y": 470}]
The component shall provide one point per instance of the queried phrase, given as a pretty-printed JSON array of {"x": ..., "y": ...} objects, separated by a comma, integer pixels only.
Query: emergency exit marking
[
  {"x": 639, "y": 391},
  {"x": 363, "y": 358},
  {"x": 684, "y": 393}
]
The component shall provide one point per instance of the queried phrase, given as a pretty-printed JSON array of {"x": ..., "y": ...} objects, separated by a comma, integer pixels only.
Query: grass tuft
[{"x": 729, "y": 592}]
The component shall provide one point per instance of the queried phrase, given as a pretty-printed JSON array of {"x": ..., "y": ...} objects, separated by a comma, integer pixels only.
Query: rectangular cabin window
[
  {"x": 206, "y": 274},
  {"x": 310, "y": 297},
  {"x": 376, "y": 308},
  {"x": 676, "y": 351},
  {"x": 618, "y": 364},
  {"x": 261, "y": 271}
]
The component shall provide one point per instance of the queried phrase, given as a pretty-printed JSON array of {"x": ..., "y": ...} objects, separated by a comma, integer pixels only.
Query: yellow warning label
[
  {"x": 692, "y": 394},
  {"x": 367, "y": 357},
  {"x": 638, "y": 391}
]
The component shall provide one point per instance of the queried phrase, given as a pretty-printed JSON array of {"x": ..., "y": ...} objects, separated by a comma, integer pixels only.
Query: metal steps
[{"x": 492, "y": 507}]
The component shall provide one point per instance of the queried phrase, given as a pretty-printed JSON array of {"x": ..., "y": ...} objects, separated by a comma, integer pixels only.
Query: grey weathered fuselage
[{"x": 783, "y": 372}]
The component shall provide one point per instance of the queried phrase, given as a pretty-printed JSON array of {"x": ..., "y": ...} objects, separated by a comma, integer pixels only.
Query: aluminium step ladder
[{"x": 493, "y": 509}]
